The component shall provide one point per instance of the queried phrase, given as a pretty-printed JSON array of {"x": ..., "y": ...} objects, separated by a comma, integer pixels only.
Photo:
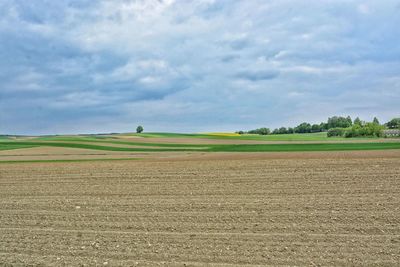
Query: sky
[{"x": 89, "y": 66}]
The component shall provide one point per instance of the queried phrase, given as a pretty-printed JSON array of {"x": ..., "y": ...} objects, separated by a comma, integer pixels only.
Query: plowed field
[{"x": 339, "y": 211}]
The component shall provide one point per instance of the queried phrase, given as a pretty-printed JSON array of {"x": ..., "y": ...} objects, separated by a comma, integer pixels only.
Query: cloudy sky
[{"x": 85, "y": 66}]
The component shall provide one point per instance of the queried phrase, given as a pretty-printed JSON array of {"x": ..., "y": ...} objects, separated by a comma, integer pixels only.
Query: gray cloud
[
  {"x": 257, "y": 75},
  {"x": 72, "y": 66}
]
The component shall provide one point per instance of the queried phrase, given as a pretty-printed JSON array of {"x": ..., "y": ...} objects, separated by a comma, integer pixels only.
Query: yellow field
[{"x": 222, "y": 134}]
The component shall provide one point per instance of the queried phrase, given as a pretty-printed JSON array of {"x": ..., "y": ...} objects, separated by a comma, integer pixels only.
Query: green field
[
  {"x": 106, "y": 143},
  {"x": 12, "y": 145},
  {"x": 304, "y": 147}
]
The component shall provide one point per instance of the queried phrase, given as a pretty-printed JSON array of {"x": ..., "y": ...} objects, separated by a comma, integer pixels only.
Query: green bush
[
  {"x": 370, "y": 129},
  {"x": 336, "y": 132},
  {"x": 354, "y": 131}
]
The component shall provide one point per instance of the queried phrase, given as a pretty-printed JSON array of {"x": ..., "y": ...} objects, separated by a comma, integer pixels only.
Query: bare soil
[
  {"x": 62, "y": 153},
  {"x": 321, "y": 209}
]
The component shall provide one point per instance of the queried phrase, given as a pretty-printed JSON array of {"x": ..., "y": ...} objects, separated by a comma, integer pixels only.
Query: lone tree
[{"x": 139, "y": 129}]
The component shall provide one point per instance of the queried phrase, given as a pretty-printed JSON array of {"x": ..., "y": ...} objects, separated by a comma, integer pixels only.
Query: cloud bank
[{"x": 200, "y": 65}]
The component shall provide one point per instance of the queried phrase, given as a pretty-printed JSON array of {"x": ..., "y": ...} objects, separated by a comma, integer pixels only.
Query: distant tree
[
  {"x": 315, "y": 128},
  {"x": 393, "y": 123},
  {"x": 350, "y": 122},
  {"x": 139, "y": 129},
  {"x": 357, "y": 121},
  {"x": 282, "y": 130},
  {"x": 303, "y": 128},
  {"x": 262, "y": 131},
  {"x": 341, "y": 126},
  {"x": 339, "y": 122},
  {"x": 240, "y": 132},
  {"x": 323, "y": 126}
]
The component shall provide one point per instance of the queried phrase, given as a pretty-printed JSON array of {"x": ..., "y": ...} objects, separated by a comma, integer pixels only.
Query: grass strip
[
  {"x": 13, "y": 146},
  {"x": 221, "y": 148},
  {"x": 303, "y": 147}
]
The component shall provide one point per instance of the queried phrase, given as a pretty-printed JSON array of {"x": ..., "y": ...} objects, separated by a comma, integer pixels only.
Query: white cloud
[
  {"x": 363, "y": 9},
  {"x": 145, "y": 71},
  {"x": 316, "y": 70}
]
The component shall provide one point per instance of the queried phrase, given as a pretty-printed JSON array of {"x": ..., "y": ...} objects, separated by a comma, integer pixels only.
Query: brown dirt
[
  {"x": 62, "y": 153},
  {"x": 338, "y": 210},
  {"x": 201, "y": 156}
]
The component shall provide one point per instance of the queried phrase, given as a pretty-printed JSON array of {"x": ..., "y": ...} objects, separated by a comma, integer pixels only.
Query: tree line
[{"x": 334, "y": 126}]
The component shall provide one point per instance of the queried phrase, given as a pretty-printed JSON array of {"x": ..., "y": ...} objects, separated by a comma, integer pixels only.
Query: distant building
[{"x": 391, "y": 133}]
